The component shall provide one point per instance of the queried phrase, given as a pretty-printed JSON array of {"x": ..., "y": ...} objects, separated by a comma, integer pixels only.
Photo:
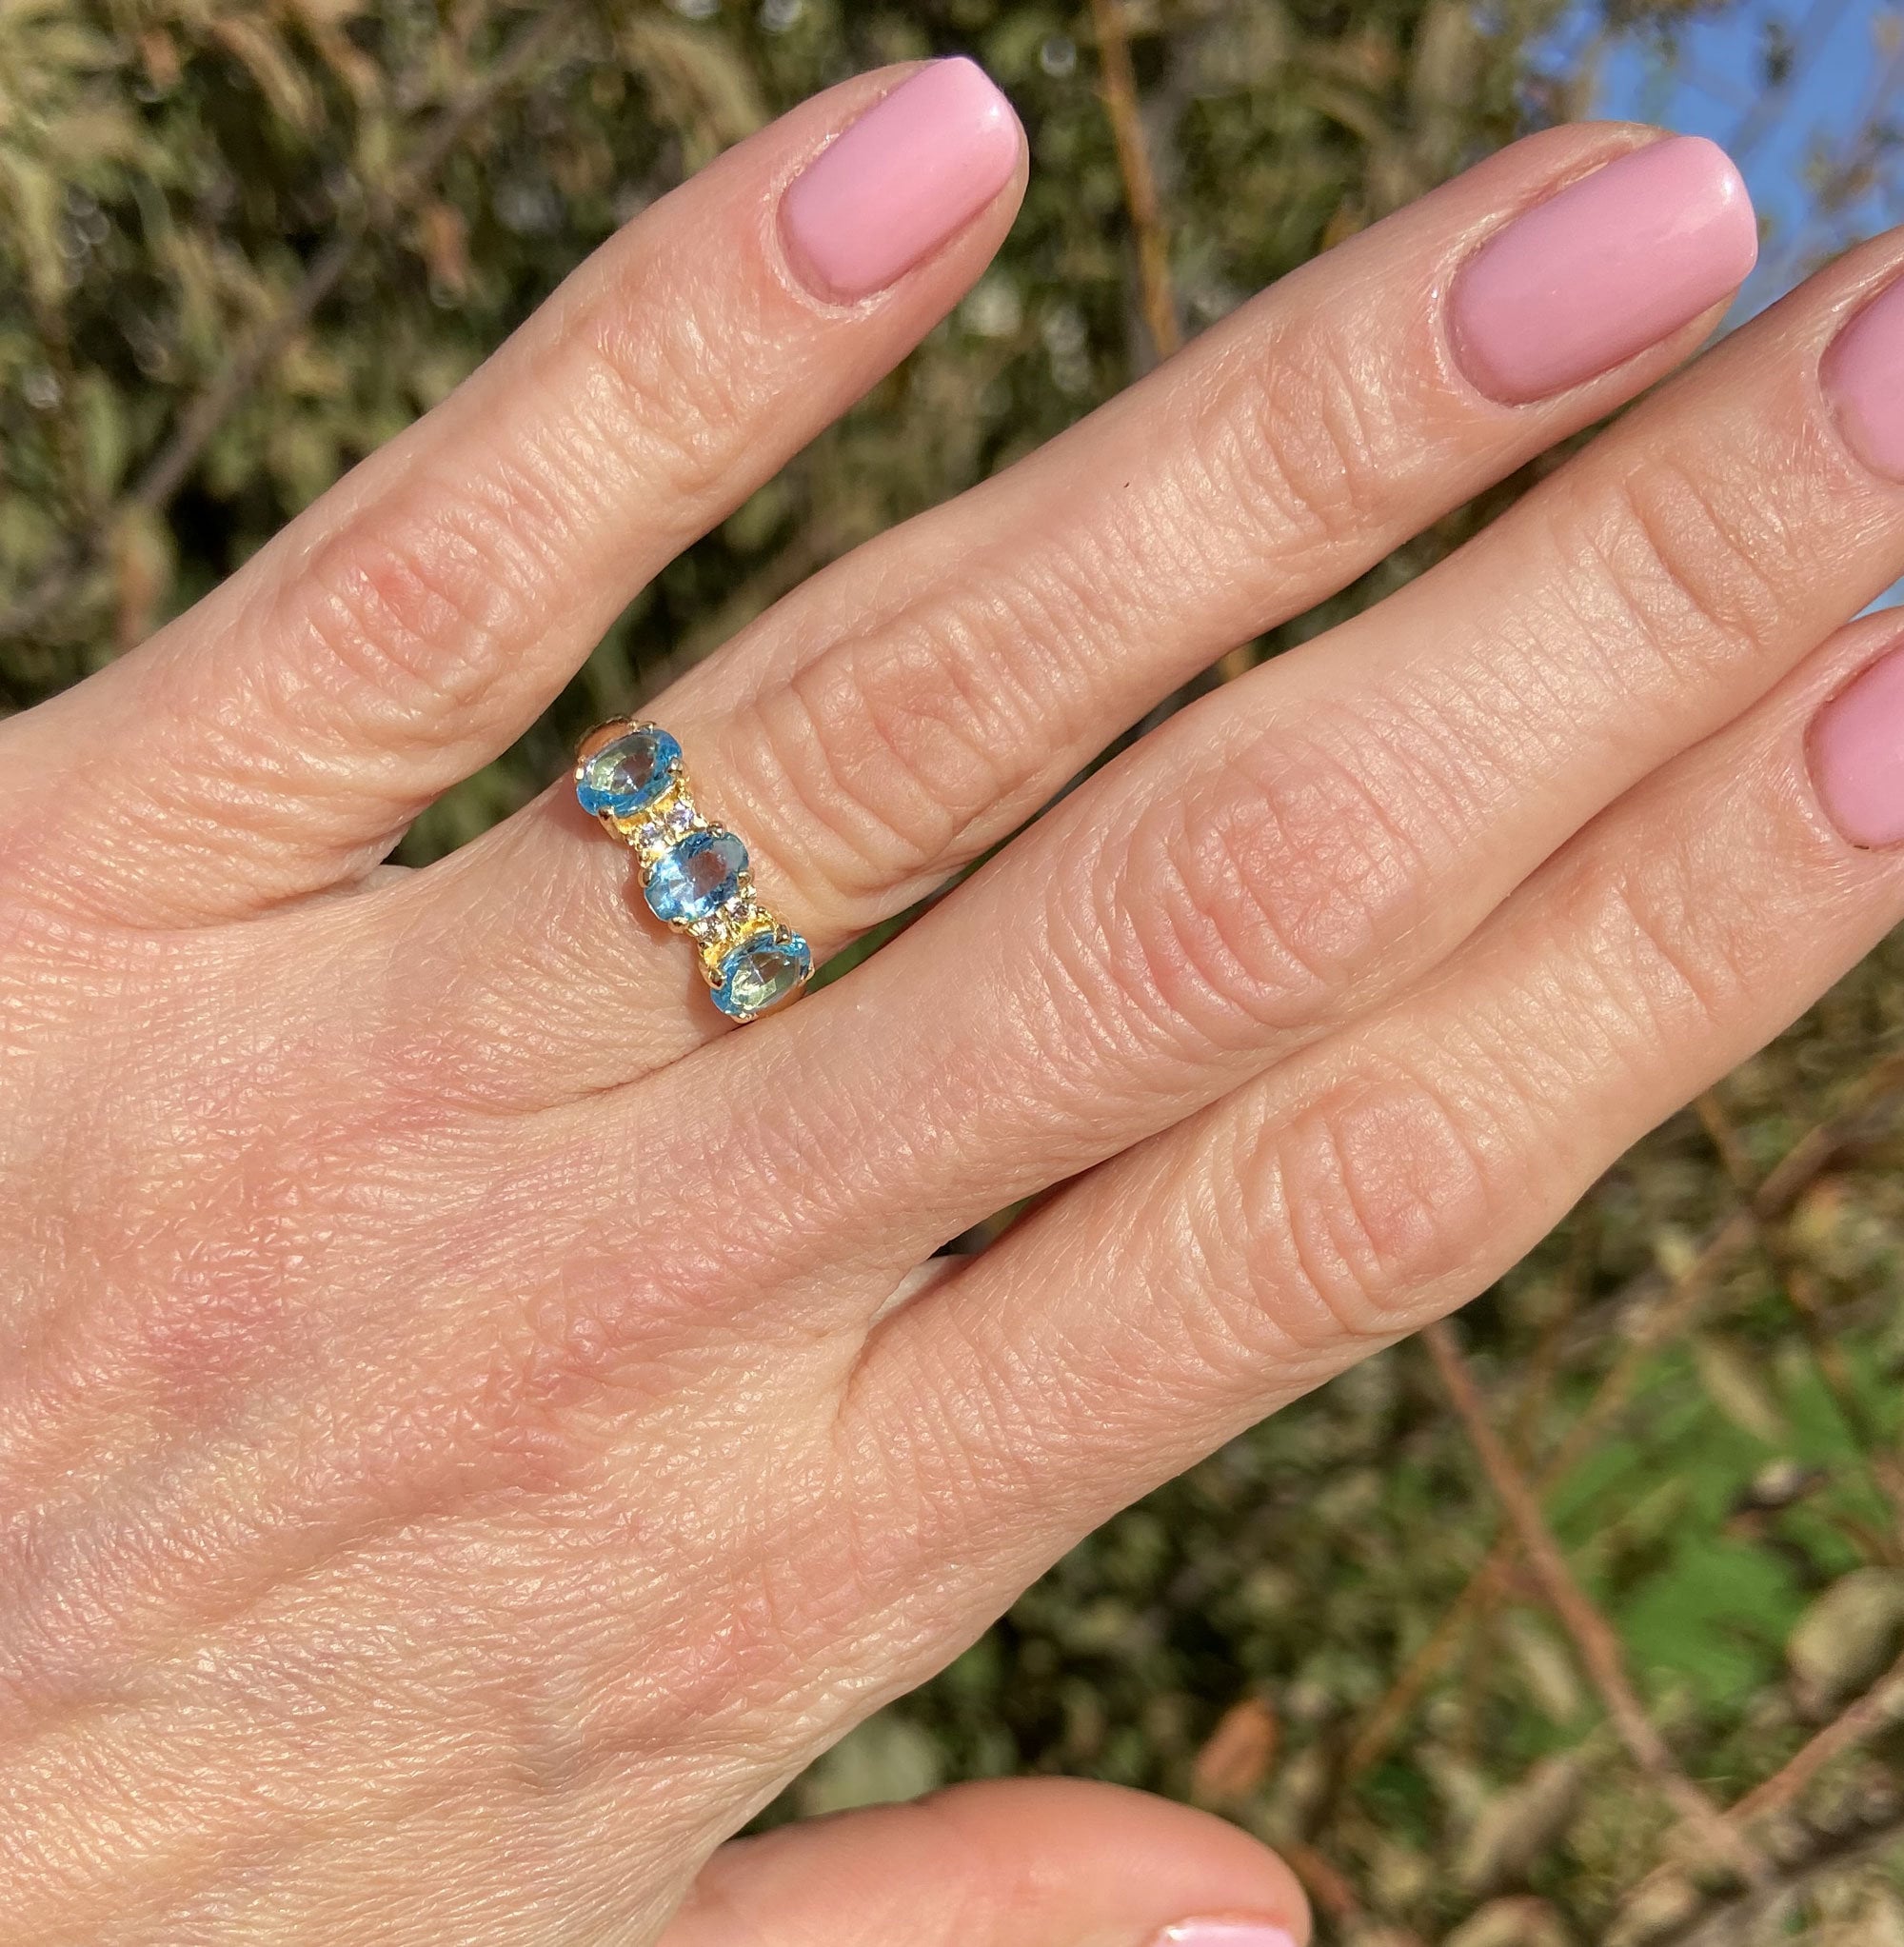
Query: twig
[
  {"x": 1863, "y": 1717},
  {"x": 1839, "y": 171},
  {"x": 169, "y": 469},
  {"x": 1820, "y": 22},
  {"x": 1330, "y": 1893},
  {"x": 1593, "y": 1636},
  {"x": 1868, "y": 1714},
  {"x": 1140, "y": 180},
  {"x": 1724, "y": 1921},
  {"x": 1156, "y": 289},
  {"x": 1783, "y": 1186},
  {"x": 1482, "y": 1589},
  {"x": 1801, "y": 1164},
  {"x": 1372, "y": 1741},
  {"x": 1795, "y": 1288},
  {"x": 1323, "y": 1882},
  {"x": 1544, "y": 1368},
  {"x": 1724, "y": 1138}
]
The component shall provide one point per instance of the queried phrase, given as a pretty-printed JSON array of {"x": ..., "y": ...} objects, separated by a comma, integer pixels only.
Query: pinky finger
[{"x": 1170, "y": 1299}]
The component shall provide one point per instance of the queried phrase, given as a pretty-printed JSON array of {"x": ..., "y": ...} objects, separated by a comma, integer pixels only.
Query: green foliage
[
  {"x": 173, "y": 173},
  {"x": 242, "y": 242}
]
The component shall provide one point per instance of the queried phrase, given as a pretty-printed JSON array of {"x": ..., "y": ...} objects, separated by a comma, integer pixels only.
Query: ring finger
[
  {"x": 912, "y": 704},
  {"x": 1309, "y": 841},
  {"x": 1399, "y": 1166}
]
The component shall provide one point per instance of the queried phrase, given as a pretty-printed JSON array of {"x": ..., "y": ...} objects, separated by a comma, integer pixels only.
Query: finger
[
  {"x": 411, "y": 623},
  {"x": 910, "y": 705},
  {"x": 1018, "y": 1864},
  {"x": 1150, "y": 1311},
  {"x": 1301, "y": 847}
]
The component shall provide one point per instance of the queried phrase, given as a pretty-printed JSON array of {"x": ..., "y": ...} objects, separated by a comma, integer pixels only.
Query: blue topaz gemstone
[
  {"x": 696, "y": 877},
  {"x": 623, "y": 778},
  {"x": 761, "y": 971}
]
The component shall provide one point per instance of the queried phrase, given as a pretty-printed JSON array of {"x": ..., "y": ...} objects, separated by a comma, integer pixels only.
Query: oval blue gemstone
[
  {"x": 697, "y": 876},
  {"x": 626, "y": 776},
  {"x": 761, "y": 971}
]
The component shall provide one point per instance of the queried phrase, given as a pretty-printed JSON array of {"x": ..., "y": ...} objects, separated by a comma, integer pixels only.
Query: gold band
[{"x": 695, "y": 874}]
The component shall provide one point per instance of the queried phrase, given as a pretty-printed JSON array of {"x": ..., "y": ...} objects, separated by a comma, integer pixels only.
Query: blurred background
[{"x": 1580, "y": 1621}]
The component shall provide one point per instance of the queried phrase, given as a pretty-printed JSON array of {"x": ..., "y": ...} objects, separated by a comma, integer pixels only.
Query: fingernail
[
  {"x": 1857, "y": 754},
  {"x": 1603, "y": 268},
  {"x": 1225, "y": 1933},
  {"x": 1863, "y": 373},
  {"x": 909, "y": 175}
]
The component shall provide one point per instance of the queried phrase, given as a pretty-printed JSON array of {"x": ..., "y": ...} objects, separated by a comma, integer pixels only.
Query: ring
[{"x": 695, "y": 875}]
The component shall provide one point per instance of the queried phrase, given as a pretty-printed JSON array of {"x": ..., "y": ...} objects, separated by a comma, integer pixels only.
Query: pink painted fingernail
[
  {"x": 1863, "y": 373},
  {"x": 1225, "y": 1933},
  {"x": 1603, "y": 268},
  {"x": 913, "y": 170},
  {"x": 1857, "y": 754}
]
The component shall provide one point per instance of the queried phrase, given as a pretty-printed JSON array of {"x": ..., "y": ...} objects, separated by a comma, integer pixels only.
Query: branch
[
  {"x": 1724, "y": 1922},
  {"x": 1794, "y": 1285},
  {"x": 1799, "y": 1167},
  {"x": 169, "y": 469},
  {"x": 1593, "y": 1636},
  {"x": 1140, "y": 179},
  {"x": 1867, "y": 1714}
]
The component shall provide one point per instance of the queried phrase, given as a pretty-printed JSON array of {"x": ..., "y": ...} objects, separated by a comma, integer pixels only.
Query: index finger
[{"x": 413, "y": 622}]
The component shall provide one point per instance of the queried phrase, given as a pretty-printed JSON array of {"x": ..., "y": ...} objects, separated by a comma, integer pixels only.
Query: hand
[{"x": 461, "y": 1446}]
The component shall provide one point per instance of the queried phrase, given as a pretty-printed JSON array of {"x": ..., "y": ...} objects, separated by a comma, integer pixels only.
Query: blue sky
[{"x": 1846, "y": 76}]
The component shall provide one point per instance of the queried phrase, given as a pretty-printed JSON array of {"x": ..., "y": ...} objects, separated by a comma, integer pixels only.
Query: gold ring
[{"x": 695, "y": 875}]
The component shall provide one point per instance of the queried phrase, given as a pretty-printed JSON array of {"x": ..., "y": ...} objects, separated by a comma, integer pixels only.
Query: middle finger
[
  {"x": 910, "y": 705},
  {"x": 1289, "y": 851}
]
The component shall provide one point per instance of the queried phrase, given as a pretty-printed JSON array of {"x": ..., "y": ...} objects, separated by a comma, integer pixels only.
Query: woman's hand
[{"x": 458, "y": 1448}]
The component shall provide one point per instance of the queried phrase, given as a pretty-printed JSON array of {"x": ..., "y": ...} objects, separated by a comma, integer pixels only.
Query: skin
[{"x": 461, "y": 1446}]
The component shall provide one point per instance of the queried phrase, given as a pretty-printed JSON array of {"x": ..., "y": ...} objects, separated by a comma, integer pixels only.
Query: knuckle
[
  {"x": 406, "y": 615},
  {"x": 898, "y": 743},
  {"x": 1698, "y": 565},
  {"x": 670, "y": 390},
  {"x": 1358, "y": 1210},
  {"x": 1254, "y": 902},
  {"x": 1299, "y": 439},
  {"x": 1669, "y": 963}
]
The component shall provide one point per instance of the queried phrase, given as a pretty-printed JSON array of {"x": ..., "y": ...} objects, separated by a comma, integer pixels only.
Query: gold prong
[{"x": 594, "y": 738}]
